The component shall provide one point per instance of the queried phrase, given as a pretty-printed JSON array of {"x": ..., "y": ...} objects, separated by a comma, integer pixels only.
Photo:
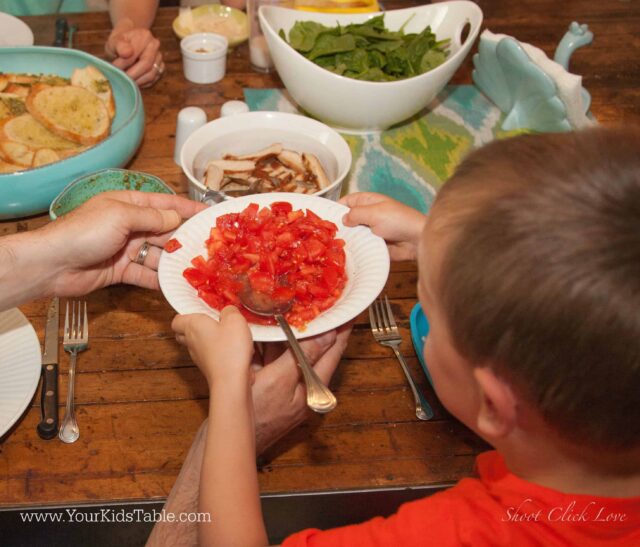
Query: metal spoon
[{"x": 319, "y": 397}]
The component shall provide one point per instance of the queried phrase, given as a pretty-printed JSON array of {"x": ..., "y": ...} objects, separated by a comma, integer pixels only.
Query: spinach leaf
[
  {"x": 304, "y": 34},
  {"x": 327, "y": 44},
  {"x": 368, "y": 51}
]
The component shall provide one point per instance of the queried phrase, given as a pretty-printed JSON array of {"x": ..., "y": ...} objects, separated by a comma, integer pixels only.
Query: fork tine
[
  {"x": 392, "y": 321},
  {"x": 85, "y": 329},
  {"x": 378, "y": 316},
  {"x": 372, "y": 317},
  {"x": 383, "y": 314},
  {"x": 74, "y": 321},
  {"x": 66, "y": 322},
  {"x": 80, "y": 321}
]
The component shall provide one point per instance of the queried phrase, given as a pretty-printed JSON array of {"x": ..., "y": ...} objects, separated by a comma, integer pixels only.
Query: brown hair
[{"x": 541, "y": 275}]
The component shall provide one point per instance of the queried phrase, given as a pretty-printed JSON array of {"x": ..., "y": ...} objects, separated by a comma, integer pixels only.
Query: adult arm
[
  {"x": 131, "y": 45},
  {"x": 279, "y": 403},
  {"x": 141, "y": 12},
  {"x": 92, "y": 247}
]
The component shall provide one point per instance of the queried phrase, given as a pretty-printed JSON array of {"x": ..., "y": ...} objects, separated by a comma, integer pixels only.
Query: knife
[{"x": 48, "y": 426}]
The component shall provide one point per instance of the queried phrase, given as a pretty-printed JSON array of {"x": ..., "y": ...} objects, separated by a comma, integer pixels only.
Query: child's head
[{"x": 530, "y": 269}]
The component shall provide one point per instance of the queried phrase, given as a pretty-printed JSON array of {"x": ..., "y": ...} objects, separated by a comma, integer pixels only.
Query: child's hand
[
  {"x": 222, "y": 350},
  {"x": 399, "y": 225}
]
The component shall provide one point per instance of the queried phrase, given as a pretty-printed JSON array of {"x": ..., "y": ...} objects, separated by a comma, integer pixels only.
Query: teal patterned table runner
[{"x": 410, "y": 161}]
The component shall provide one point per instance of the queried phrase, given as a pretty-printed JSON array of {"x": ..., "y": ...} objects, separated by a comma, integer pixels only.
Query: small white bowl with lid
[{"x": 204, "y": 57}]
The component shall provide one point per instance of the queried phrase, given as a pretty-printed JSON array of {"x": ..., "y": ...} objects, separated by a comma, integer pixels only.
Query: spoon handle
[{"x": 319, "y": 397}]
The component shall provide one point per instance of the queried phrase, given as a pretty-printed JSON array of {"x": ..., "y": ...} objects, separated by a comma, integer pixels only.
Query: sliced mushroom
[
  {"x": 314, "y": 165},
  {"x": 235, "y": 181},
  {"x": 214, "y": 176},
  {"x": 292, "y": 159},
  {"x": 278, "y": 171},
  {"x": 232, "y": 185},
  {"x": 243, "y": 175},
  {"x": 272, "y": 150},
  {"x": 272, "y": 168},
  {"x": 234, "y": 165}
]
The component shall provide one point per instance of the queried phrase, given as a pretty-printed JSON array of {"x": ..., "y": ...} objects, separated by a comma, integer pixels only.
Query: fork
[
  {"x": 76, "y": 339},
  {"x": 385, "y": 331}
]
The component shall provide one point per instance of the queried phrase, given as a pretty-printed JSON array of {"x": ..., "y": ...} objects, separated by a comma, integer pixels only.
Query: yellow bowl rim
[{"x": 241, "y": 16}]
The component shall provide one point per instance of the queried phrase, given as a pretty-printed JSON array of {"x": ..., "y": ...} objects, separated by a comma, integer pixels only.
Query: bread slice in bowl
[
  {"x": 27, "y": 130},
  {"x": 72, "y": 112},
  {"x": 16, "y": 153},
  {"x": 93, "y": 80}
]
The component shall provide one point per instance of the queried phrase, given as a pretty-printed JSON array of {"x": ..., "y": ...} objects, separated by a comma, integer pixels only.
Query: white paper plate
[
  {"x": 14, "y": 32},
  {"x": 20, "y": 365},
  {"x": 367, "y": 263}
]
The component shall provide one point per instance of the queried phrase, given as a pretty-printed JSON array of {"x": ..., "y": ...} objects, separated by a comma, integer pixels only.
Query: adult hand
[
  {"x": 279, "y": 394},
  {"x": 136, "y": 51},
  {"x": 398, "y": 224},
  {"x": 96, "y": 245}
]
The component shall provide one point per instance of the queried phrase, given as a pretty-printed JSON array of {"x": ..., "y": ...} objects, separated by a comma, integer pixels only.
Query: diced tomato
[
  {"x": 315, "y": 248},
  {"x": 281, "y": 208},
  {"x": 261, "y": 282},
  {"x": 312, "y": 216},
  {"x": 285, "y": 254},
  {"x": 317, "y": 290},
  {"x": 172, "y": 245},
  {"x": 283, "y": 294},
  {"x": 229, "y": 235},
  {"x": 240, "y": 265},
  {"x": 211, "y": 298},
  {"x": 196, "y": 278},
  {"x": 199, "y": 262},
  {"x": 250, "y": 211},
  {"x": 330, "y": 276},
  {"x": 284, "y": 238},
  {"x": 294, "y": 215},
  {"x": 254, "y": 258}
]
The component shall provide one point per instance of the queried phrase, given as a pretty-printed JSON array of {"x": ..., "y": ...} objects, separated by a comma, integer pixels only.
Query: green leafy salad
[{"x": 368, "y": 51}]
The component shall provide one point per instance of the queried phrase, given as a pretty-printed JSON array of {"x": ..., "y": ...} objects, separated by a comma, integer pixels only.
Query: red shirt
[{"x": 498, "y": 508}]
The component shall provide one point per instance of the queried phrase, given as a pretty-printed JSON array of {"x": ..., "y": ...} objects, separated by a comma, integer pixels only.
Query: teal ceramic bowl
[
  {"x": 107, "y": 180},
  {"x": 30, "y": 192}
]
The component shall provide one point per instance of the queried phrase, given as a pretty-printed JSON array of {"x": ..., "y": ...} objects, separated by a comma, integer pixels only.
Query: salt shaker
[
  {"x": 230, "y": 108},
  {"x": 189, "y": 119}
]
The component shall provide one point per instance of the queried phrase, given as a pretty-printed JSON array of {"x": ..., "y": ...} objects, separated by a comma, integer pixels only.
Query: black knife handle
[
  {"x": 61, "y": 30},
  {"x": 48, "y": 426}
]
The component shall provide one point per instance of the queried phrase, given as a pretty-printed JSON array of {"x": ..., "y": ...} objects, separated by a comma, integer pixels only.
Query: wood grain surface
[{"x": 140, "y": 399}]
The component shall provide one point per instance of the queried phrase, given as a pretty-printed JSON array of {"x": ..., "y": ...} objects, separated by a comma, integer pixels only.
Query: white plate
[
  {"x": 20, "y": 364},
  {"x": 14, "y": 32},
  {"x": 367, "y": 263}
]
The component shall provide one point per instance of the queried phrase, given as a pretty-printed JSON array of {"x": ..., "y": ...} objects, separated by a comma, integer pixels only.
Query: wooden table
[{"x": 140, "y": 399}]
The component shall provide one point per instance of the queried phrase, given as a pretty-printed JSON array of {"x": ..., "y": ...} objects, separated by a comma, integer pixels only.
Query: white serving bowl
[
  {"x": 252, "y": 131},
  {"x": 358, "y": 105}
]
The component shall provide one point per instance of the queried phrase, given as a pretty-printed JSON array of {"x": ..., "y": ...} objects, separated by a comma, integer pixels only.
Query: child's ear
[{"x": 497, "y": 413}]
